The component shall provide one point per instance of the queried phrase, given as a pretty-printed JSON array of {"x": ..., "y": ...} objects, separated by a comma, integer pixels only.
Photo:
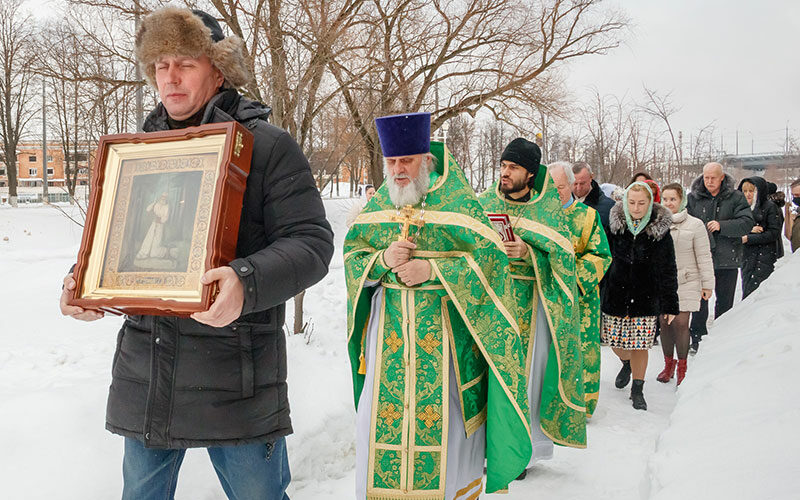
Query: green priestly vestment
[
  {"x": 593, "y": 257},
  {"x": 547, "y": 274},
  {"x": 464, "y": 314}
]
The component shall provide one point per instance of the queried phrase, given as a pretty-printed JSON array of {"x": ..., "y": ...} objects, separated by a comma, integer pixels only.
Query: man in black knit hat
[
  {"x": 542, "y": 265},
  {"x": 218, "y": 379}
]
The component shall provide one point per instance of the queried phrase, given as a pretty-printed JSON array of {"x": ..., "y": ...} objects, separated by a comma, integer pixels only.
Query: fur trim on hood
[
  {"x": 660, "y": 221},
  {"x": 699, "y": 187},
  {"x": 179, "y": 32}
]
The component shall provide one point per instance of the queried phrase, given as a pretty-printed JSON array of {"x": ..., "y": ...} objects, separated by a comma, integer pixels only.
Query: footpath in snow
[{"x": 729, "y": 432}]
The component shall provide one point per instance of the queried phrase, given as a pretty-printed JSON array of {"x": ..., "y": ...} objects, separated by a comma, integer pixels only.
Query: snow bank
[{"x": 734, "y": 431}]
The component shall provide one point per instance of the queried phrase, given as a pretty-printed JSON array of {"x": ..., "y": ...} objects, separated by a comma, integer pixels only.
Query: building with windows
[{"x": 30, "y": 169}]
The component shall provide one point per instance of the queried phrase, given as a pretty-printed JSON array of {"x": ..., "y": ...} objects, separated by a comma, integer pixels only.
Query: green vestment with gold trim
[
  {"x": 548, "y": 274},
  {"x": 593, "y": 257},
  {"x": 465, "y": 312}
]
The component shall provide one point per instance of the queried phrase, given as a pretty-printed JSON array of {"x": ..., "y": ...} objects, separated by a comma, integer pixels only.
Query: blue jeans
[{"x": 248, "y": 472}]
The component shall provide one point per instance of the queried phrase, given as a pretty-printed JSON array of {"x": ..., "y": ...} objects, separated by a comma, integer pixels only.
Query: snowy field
[{"x": 730, "y": 432}]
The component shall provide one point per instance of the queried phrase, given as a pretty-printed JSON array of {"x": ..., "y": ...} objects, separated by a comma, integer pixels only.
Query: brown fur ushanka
[{"x": 178, "y": 32}]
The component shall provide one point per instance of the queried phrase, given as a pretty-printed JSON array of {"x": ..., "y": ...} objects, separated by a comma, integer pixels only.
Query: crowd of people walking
[{"x": 672, "y": 250}]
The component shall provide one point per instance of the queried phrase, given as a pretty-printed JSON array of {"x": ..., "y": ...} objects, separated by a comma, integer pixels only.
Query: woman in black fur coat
[{"x": 641, "y": 284}]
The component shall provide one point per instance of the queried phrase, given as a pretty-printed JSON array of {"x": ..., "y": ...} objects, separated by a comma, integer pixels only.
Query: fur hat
[{"x": 182, "y": 32}]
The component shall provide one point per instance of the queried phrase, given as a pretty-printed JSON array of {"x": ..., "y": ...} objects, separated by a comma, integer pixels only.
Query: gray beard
[{"x": 413, "y": 192}]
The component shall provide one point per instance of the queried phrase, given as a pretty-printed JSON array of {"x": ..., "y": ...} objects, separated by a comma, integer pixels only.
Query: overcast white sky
[
  {"x": 735, "y": 62},
  {"x": 732, "y": 62}
]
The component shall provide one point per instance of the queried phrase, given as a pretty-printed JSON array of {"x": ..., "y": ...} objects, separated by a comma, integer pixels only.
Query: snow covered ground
[{"x": 729, "y": 432}]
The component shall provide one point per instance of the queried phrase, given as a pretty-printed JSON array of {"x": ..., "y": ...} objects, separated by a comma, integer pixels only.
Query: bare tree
[
  {"x": 609, "y": 136},
  {"x": 60, "y": 54},
  {"x": 492, "y": 139},
  {"x": 460, "y": 140},
  {"x": 642, "y": 138},
  {"x": 462, "y": 57},
  {"x": 15, "y": 92},
  {"x": 661, "y": 107}
]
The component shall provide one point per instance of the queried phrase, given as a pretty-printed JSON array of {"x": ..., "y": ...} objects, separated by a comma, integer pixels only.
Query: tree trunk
[{"x": 298, "y": 312}]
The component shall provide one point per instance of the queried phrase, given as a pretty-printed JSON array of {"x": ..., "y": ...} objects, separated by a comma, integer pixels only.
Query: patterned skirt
[{"x": 629, "y": 333}]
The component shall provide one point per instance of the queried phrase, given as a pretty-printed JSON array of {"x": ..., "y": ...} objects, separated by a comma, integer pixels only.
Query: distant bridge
[{"x": 762, "y": 161}]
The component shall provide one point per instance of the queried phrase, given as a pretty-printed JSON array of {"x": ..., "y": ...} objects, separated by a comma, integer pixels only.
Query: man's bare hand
[
  {"x": 516, "y": 249},
  {"x": 414, "y": 272},
  {"x": 707, "y": 293},
  {"x": 713, "y": 225},
  {"x": 75, "y": 311},
  {"x": 669, "y": 318},
  {"x": 744, "y": 239},
  {"x": 228, "y": 305},
  {"x": 757, "y": 229},
  {"x": 398, "y": 253}
]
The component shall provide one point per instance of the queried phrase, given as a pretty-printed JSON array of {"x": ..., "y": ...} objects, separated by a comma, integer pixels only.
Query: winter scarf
[{"x": 635, "y": 229}]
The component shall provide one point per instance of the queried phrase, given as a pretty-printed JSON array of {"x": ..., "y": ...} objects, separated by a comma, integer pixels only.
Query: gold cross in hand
[{"x": 406, "y": 217}]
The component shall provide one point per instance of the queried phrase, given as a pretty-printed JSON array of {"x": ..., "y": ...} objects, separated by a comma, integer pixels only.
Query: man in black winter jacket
[
  {"x": 218, "y": 379},
  {"x": 725, "y": 212},
  {"x": 587, "y": 190}
]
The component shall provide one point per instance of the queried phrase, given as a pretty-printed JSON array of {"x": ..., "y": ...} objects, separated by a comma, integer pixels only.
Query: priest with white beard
[{"x": 439, "y": 387}]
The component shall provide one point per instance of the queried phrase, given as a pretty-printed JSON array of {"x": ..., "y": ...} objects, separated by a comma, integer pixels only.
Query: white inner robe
[
  {"x": 542, "y": 445},
  {"x": 465, "y": 456}
]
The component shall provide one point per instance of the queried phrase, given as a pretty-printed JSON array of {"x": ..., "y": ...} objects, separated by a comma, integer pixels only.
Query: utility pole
[
  {"x": 786, "y": 144},
  {"x": 45, "y": 192}
]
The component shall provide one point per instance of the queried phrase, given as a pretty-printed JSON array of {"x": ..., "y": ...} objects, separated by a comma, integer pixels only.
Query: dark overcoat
[
  {"x": 761, "y": 249},
  {"x": 598, "y": 200},
  {"x": 730, "y": 208},
  {"x": 177, "y": 383}
]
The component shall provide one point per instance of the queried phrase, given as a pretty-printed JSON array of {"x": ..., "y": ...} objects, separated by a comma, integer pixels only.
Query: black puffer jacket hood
[
  {"x": 762, "y": 189},
  {"x": 699, "y": 188},
  {"x": 226, "y": 106},
  {"x": 730, "y": 208}
]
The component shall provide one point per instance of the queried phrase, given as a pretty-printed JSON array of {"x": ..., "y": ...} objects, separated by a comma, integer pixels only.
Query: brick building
[{"x": 29, "y": 166}]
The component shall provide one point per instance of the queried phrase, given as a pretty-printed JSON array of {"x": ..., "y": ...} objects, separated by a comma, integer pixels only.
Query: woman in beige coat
[{"x": 695, "y": 278}]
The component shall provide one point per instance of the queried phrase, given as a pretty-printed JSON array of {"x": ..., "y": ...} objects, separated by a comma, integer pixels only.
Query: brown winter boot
[
  {"x": 681, "y": 370},
  {"x": 669, "y": 370}
]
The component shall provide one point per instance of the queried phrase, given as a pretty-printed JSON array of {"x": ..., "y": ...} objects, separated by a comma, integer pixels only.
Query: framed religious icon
[
  {"x": 502, "y": 224},
  {"x": 164, "y": 209}
]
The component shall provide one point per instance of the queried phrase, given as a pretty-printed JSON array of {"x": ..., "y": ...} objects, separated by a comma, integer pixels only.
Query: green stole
[
  {"x": 465, "y": 311},
  {"x": 548, "y": 273},
  {"x": 593, "y": 257}
]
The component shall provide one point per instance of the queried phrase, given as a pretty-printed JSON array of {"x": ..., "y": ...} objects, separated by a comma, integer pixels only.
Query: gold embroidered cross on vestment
[
  {"x": 429, "y": 416},
  {"x": 429, "y": 343},
  {"x": 394, "y": 342},
  {"x": 389, "y": 414}
]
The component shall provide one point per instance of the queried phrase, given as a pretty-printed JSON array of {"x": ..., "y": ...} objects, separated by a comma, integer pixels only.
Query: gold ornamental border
[{"x": 93, "y": 287}]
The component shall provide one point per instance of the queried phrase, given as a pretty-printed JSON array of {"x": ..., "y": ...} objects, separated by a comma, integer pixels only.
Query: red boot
[
  {"x": 681, "y": 370},
  {"x": 669, "y": 370}
]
